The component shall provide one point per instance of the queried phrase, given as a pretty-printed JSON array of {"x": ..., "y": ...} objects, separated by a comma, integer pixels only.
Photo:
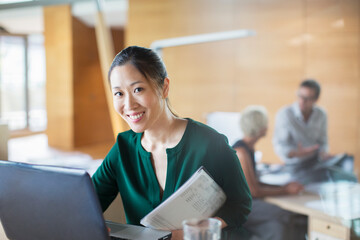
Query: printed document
[{"x": 199, "y": 197}]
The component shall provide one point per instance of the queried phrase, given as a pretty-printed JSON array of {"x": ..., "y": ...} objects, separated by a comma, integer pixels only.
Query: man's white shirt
[{"x": 291, "y": 129}]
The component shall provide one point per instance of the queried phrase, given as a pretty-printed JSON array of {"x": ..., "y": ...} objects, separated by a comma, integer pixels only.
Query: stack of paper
[{"x": 199, "y": 197}]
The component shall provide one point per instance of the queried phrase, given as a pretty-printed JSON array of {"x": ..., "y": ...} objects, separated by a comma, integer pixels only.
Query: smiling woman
[
  {"x": 161, "y": 151},
  {"x": 154, "y": 73},
  {"x": 135, "y": 98}
]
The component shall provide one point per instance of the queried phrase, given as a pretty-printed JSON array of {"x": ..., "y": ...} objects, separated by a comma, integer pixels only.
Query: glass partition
[{"x": 22, "y": 82}]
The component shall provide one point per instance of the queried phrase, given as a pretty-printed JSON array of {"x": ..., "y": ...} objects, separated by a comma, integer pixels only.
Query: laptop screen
[{"x": 46, "y": 202}]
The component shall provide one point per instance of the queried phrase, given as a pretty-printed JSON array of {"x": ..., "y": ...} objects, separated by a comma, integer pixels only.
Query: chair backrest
[{"x": 227, "y": 123}]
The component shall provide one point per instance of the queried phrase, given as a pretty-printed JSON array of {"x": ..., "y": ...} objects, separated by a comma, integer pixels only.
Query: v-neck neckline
[{"x": 171, "y": 165}]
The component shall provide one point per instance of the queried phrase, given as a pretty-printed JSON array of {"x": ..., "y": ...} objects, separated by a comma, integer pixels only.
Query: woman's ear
[{"x": 165, "y": 92}]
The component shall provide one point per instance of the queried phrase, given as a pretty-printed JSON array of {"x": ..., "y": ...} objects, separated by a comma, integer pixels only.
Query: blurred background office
[
  {"x": 51, "y": 80},
  {"x": 53, "y": 103}
]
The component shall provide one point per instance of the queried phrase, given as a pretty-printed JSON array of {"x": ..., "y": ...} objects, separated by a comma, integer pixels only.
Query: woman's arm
[
  {"x": 227, "y": 171},
  {"x": 257, "y": 189},
  {"x": 104, "y": 180}
]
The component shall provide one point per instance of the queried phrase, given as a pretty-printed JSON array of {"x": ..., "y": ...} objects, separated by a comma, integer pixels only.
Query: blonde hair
[{"x": 253, "y": 120}]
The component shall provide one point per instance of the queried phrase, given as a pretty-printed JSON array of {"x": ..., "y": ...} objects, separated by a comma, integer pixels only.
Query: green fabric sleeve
[
  {"x": 238, "y": 203},
  {"x": 104, "y": 179}
]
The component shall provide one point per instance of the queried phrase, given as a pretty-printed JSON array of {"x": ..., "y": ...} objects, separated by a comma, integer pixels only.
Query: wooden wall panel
[
  {"x": 118, "y": 38},
  {"x": 91, "y": 116},
  {"x": 269, "y": 64},
  {"x": 159, "y": 19},
  {"x": 275, "y": 16},
  {"x": 332, "y": 15},
  {"x": 337, "y": 71},
  {"x": 208, "y": 89},
  {"x": 76, "y": 105},
  {"x": 332, "y": 57},
  {"x": 59, "y": 76},
  {"x": 295, "y": 40}
]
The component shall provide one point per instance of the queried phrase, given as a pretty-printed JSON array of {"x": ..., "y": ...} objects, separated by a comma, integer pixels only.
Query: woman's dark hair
[{"x": 147, "y": 62}]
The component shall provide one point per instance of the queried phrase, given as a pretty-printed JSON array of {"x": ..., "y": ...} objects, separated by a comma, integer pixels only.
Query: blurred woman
[{"x": 266, "y": 221}]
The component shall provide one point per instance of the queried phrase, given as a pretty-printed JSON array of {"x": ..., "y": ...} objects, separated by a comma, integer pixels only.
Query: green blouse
[{"x": 128, "y": 169}]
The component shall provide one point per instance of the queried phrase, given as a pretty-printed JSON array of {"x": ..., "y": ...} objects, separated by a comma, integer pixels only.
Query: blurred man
[{"x": 301, "y": 128}]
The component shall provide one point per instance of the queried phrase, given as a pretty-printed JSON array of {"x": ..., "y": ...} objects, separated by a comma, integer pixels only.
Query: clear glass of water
[{"x": 202, "y": 229}]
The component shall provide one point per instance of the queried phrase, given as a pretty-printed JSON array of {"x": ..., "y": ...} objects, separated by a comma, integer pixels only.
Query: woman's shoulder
[
  {"x": 125, "y": 142},
  {"x": 242, "y": 151},
  {"x": 127, "y": 139},
  {"x": 126, "y": 135},
  {"x": 239, "y": 144}
]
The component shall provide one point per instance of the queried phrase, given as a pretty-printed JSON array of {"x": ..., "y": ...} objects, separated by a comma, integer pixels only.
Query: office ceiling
[{"x": 28, "y": 19}]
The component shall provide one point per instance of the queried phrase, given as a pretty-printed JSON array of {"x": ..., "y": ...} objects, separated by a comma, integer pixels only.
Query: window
[
  {"x": 22, "y": 82},
  {"x": 36, "y": 86}
]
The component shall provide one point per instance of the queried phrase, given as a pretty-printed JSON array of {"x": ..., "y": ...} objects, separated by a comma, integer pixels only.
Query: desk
[{"x": 331, "y": 212}]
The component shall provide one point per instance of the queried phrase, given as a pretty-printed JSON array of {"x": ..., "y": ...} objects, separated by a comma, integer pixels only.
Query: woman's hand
[
  {"x": 177, "y": 234},
  {"x": 294, "y": 188},
  {"x": 304, "y": 151},
  {"x": 325, "y": 156},
  {"x": 223, "y": 223}
]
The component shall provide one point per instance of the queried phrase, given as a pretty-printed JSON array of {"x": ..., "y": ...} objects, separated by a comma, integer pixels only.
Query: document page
[{"x": 198, "y": 197}]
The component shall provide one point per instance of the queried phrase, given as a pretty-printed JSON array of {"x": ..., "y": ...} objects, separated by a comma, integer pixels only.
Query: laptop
[{"x": 40, "y": 202}]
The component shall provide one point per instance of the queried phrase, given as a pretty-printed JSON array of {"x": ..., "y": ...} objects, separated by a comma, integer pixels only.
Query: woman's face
[
  {"x": 263, "y": 132},
  {"x": 135, "y": 99}
]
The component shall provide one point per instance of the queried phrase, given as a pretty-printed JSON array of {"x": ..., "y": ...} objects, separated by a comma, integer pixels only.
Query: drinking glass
[{"x": 202, "y": 229}]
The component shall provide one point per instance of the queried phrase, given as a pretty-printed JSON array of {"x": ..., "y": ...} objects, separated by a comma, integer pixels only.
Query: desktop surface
[{"x": 333, "y": 209}]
